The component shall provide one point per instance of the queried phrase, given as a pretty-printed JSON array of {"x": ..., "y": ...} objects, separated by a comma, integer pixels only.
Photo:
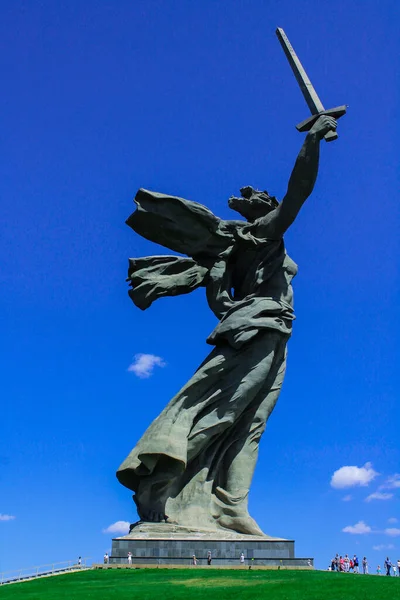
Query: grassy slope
[{"x": 198, "y": 584}]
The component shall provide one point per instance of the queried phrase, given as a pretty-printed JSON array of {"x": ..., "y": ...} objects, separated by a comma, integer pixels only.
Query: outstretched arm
[{"x": 301, "y": 182}]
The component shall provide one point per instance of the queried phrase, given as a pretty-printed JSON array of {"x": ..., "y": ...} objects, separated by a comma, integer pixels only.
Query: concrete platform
[{"x": 173, "y": 546}]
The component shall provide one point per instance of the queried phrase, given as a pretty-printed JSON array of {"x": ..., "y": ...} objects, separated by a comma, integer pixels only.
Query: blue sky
[{"x": 193, "y": 99}]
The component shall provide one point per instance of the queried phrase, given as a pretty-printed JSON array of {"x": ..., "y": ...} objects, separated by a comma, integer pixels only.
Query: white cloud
[
  {"x": 380, "y": 547},
  {"x": 347, "y": 498},
  {"x": 358, "y": 528},
  {"x": 118, "y": 527},
  {"x": 352, "y": 476},
  {"x": 143, "y": 364},
  {"x": 6, "y": 517},
  {"x": 392, "y": 531},
  {"x": 378, "y": 496},
  {"x": 393, "y": 520},
  {"x": 391, "y": 483}
]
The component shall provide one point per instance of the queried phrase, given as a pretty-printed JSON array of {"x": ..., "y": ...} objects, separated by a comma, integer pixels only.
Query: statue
[{"x": 194, "y": 465}]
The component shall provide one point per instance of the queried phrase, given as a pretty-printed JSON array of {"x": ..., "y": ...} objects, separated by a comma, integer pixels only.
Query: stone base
[{"x": 159, "y": 544}]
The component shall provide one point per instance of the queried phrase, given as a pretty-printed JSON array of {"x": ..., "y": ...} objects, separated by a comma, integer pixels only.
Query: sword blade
[{"x": 311, "y": 97}]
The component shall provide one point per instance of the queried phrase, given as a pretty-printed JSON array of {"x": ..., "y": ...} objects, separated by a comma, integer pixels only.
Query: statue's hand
[{"x": 322, "y": 125}]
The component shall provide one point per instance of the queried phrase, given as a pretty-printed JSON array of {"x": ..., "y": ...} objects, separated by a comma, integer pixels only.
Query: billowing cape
[{"x": 192, "y": 229}]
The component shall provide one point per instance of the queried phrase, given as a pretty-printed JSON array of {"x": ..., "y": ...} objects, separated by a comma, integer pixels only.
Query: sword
[{"x": 311, "y": 97}]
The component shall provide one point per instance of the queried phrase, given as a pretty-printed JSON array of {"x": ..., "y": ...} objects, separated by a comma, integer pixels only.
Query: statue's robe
[{"x": 206, "y": 439}]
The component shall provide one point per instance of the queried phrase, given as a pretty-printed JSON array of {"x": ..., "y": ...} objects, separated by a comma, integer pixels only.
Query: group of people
[
  {"x": 345, "y": 564},
  {"x": 389, "y": 566},
  {"x": 209, "y": 559}
]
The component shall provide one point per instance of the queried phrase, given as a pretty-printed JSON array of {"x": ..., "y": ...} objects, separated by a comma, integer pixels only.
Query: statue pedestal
[{"x": 165, "y": 544}]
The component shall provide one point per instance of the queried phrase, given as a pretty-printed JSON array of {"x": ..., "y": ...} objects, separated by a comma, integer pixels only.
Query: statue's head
[{"x": 253, "y": 204}]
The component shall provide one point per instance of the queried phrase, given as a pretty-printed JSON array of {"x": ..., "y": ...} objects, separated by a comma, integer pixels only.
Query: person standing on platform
[
  {"x": 129, "y": 558},
  {"x": 242, "y": 559},
  {"x": 209, "y": 558},
  {"x": 194, "y": 560},
  {"x": 365, "y": 565},
  {"x": 355, "y": 562},
  {"x": 346, "y": 563},
  {"x": 388, "y": 566},
  {"x": 337, "y": 562}
]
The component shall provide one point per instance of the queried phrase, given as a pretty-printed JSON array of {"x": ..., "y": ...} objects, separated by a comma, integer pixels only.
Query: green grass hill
[{"x": 198, "y": 584}]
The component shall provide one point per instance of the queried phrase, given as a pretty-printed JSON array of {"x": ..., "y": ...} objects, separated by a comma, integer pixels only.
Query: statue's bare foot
[
  {"x": 150, "y": 510},
  {"x": 244, "y": 524},
  {"x": 154, "y": 515},
  {"x": 150, "y": 500}
]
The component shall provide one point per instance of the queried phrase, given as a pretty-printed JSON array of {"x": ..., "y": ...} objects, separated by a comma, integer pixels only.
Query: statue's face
[
  {"x": 251, "y": 207},
  {"x": 236, "y": 203}
]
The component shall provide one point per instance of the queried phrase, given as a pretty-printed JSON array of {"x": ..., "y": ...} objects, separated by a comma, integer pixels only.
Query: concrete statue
[{"x": 194, "y": 465}]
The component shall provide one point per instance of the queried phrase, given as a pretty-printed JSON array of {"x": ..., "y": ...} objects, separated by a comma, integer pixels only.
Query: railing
[{"x": 43, "y": 570}]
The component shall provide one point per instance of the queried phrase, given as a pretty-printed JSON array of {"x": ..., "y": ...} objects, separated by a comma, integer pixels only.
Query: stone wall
[{"x": 223, "y": 552}]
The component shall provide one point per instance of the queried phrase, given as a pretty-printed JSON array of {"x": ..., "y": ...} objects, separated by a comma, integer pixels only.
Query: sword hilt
[
  {"x": 331, "y": 136},
  {"x": 336, "y": 113}
]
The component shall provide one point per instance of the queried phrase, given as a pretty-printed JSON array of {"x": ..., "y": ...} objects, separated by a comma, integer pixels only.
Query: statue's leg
[
  {"x": 238, "y": 464},
  {"x": 232, "y": 391},
  {"x": 215, "y": 486}
]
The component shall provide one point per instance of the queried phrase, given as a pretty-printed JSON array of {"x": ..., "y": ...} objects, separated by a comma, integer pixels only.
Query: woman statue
[{"x": 194, "y": 465}]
